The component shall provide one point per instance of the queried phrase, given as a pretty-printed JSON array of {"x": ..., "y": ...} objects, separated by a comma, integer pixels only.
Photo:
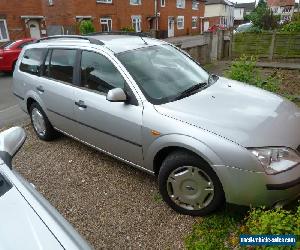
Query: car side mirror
[
  {"x": 11, "y": 140},
  {"x": 116, "y": 95}
]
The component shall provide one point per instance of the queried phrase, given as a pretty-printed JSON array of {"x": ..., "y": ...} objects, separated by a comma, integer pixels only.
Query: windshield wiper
[{"x": 191, "y": 90}]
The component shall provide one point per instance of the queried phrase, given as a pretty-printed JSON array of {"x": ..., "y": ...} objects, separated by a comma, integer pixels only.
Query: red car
[{"x": 9, "y": 53}]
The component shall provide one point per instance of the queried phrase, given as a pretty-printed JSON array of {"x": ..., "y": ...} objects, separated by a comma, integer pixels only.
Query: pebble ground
[{"x": 112, "y": 205}]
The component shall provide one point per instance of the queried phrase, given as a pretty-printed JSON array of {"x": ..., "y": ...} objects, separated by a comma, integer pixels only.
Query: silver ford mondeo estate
[
  {"x": 28, "y": 221},
  {"x": 146, "y": 102}
]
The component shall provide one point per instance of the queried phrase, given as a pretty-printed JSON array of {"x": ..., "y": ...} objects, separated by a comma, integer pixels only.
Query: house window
[
  {"x": 162, "y": 3},
  {"x": 180, "y": 4},
  {"x": 3, "y": 31},
  {"x": 104, "y": 1},
  {"x": 194, "y": 22},
  {"x": 137, "y": 23},
  {"x": 106, "y": 24},
  {"x": 51, "y": 2},
  {"x": 180, "y": 22},
  {"x": 195, "y": 5},
  {"x": 135, "y": 2}
]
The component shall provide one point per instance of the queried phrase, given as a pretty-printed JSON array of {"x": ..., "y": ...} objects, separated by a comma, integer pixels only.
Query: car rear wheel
[
  {"x": 189, "y": 185},
  {"x": 41, "y": 124}
]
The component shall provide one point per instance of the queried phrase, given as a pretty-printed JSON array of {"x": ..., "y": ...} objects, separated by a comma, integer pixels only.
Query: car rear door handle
[
  {"x": 40, "y": 89},
  {"x": 81, "y": 104}
]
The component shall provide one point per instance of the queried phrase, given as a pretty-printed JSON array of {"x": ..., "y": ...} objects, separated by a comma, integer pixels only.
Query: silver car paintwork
[
  {"x": 217, "y": 123},
  {"x": 28, "y": 221}
]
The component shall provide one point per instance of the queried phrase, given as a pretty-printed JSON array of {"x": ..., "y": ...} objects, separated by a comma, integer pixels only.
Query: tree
[
  {"x": 263, "y": 18},
  {"x": 86, "y": 26}
]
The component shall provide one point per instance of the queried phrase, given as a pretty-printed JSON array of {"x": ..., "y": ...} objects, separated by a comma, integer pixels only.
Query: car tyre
[
  {"x": 41, "y": 125},
  {"x": 189, "y": 185}
]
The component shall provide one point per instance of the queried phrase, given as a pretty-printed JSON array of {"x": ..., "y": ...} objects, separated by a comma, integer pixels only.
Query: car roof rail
[
  {"x": 128, "y": 33},
  {"x": 91, "y": 40}
]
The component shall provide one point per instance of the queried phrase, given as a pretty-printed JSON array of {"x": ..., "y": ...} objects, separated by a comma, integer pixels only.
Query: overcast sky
[{"x": 247, "y": 1}]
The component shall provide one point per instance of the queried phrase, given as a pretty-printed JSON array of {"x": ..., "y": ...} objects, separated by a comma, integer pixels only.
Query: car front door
[{"x": 113, "y": 127}]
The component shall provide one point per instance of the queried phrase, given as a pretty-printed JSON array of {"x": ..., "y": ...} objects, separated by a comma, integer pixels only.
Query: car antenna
[{"x": 143, "y": 40}]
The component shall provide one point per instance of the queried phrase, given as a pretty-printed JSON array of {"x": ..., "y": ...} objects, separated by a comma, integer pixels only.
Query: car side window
[
  {"x": 61, "y": 65},
  {"x": 32, "y": 61},
  {"x": 98, "y": 73}
]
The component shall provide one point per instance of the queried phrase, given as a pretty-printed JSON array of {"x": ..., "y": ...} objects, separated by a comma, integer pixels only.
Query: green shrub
[
  {"x": 291, "y": 27},
  {"x": 128, "y": 29},
  {"x": 86, "y": 27},
  {"x": 244, "y": 70},
  {"x": 274, "y": 221}
]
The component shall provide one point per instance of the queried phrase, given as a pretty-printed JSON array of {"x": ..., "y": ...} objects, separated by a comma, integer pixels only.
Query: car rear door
[
  {"x": 110, "y": 126},
  {"x": 57, "y": 88}
]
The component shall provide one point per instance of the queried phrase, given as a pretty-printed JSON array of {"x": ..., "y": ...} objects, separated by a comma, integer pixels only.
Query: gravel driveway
[{"x": 111, "y": 204}]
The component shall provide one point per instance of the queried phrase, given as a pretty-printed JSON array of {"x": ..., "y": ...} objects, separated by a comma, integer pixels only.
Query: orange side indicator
[{"x": 155, "y": 133}]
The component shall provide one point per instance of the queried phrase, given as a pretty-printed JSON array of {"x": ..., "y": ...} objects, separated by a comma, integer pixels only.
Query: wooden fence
[{"x": 267, "y": 45}]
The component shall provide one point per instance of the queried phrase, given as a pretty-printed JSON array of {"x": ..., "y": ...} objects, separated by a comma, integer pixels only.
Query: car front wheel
[{"x": 189, "y": 185}]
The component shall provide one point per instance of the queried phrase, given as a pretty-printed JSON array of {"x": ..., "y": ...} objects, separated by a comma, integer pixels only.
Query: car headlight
[{"x": 276, "y": 160}]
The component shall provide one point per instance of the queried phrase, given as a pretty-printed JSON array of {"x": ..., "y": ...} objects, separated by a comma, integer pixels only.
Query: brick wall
[
  {"x": 64, "y": 12},
  {"x": 213, "y": 20},
  {"x": 12, "y": 10},
  {"x": 171, "y": 10}
]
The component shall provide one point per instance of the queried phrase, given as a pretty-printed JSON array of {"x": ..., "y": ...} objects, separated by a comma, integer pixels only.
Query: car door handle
[
  {"x": 81, "y": 104},
  {"x": 40, "y": 89}
]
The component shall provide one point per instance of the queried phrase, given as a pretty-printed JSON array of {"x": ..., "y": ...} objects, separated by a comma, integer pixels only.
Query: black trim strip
[
  {"x": 20, "y": 97},
  {"x": 283, "y": 186},
  {"x": 118, "y": 137}
]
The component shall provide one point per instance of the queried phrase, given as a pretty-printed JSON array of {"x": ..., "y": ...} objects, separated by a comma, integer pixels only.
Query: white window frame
[
  {"x": 135, "y": 2},
  {"x": 104, "y": 1},
  {"x": 180, "y": 4},
  {"x": 162, "y": 3},
  {"x": 105, "y": 20},
  {"x": 134, "y": 24},
  {"x": 182, "y": 21},
  {"x": 197, "y": 4},
  {"x": 6, "y": 30},
  {"x": 195, "y": 27}
]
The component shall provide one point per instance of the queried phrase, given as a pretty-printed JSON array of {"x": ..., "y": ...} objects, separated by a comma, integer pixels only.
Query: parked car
[
  {"x": 9, "y": 53},
  {"x": 28, "y": 221},
  {"x": 145, "y": 102},
  {"x": 243, "y": 28},
  {"x": 216, "y": 27}
]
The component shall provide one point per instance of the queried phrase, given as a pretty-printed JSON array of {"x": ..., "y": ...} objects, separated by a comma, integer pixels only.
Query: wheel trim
[
  {"x": 190, "y": 188},
  {"x": 38, "y": 122}
]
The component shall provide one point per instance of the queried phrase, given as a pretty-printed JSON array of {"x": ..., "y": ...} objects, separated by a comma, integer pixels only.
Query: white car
[{"x": 27, "y": 220}]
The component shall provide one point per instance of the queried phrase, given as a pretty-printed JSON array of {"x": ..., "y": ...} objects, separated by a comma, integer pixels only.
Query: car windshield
[{"x": 163, "y": 73}]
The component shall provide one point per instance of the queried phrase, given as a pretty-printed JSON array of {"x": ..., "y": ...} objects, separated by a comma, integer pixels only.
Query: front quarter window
[{"x": 162, "y": 72}]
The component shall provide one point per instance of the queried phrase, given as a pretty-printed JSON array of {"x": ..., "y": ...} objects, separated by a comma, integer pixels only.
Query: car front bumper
[{"x": 257, "y": 188}]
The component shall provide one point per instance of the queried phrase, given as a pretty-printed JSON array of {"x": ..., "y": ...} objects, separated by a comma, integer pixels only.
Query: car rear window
[
  {"x": 61, "y": 65},
  {"x": 32, "y": 61}
]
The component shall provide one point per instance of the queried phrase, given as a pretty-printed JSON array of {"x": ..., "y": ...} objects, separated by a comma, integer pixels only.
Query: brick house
[
  {"x": 285, "y": 8},
  {"x": 219, "y": 12},
  {"x": 20, "y": 19},
  {"x": 35, "y": 18}
]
